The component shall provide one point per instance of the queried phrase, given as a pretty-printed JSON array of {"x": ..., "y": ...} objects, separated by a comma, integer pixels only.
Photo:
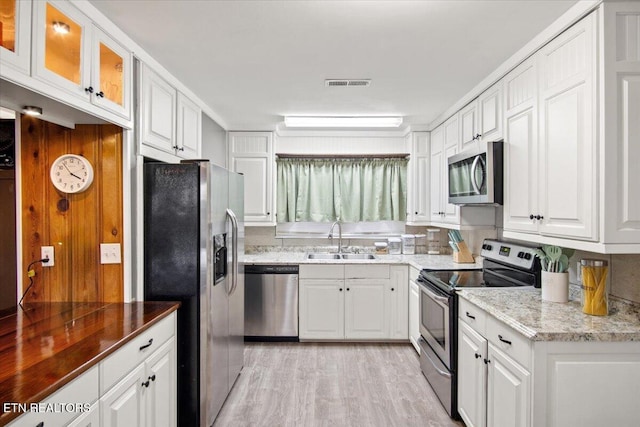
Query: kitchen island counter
[
  {"x": 44, "y": 346},
  {"x": 523, "y": 310}
]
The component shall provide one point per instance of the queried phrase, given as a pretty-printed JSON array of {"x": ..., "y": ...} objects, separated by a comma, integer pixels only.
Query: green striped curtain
[{"x": 349, "y": 190}]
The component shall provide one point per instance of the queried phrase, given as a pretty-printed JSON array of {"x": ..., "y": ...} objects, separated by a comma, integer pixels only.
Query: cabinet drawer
[
  {"x": 325, "y": 271},
  {"x": 79, "y": 393},
  {"x": 473, "y": 316},
  {"x": 518, "y": 347},
  {"x": 120, "y": 363},
  {"x": 366, "y": 271}
]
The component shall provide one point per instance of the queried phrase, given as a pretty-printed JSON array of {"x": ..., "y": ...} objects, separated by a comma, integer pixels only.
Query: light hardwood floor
[{"x": 331, "y": 384}]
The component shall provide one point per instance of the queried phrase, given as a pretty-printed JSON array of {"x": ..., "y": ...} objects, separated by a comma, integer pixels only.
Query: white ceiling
[{"x": 253, "y": 62}]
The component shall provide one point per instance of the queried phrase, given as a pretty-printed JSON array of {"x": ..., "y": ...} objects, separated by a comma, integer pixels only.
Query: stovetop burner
[{"x": 505, "y": 265}]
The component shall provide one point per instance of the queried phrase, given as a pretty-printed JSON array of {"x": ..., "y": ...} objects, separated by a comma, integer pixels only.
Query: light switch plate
[{"x": 110, "y": 253}]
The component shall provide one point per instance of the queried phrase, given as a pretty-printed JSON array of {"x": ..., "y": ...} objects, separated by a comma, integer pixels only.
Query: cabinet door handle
[
  {"x": 348, "y": 289},
  {"x": 340, "y": 289},
  {"x": 503, "y": 340},
  {"x": 88, "y": 89},
  {"x": 539, "y": 217},
  {"x": 100, "y": 94},
  {"x": 471, "y": 316},
  {"x": 478, "y": 356},
  {"x": 152, "y": 377},
  {"x": 416, "y": 213},
  {"x": 40, "y": 424},
  {"x": 486, "y": 361},
  {"x": 145, "y": 384},
  {"x": 147, "y": 345},
  {"x": 180, "y": 149}
]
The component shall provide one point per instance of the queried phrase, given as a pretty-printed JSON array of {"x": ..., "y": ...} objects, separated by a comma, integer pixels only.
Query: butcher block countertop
[{"x": 43, "y": 346}]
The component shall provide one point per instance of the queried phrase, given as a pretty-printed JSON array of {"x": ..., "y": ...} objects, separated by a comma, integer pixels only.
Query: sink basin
[
  {"x": 323, "y": 256},
  {"x": 358, "y": 256}
]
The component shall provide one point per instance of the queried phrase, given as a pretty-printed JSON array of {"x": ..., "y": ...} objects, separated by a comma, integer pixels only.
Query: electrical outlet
[
  {"x": 48, "y": 253},
  {"x": 110, "y": 253}
]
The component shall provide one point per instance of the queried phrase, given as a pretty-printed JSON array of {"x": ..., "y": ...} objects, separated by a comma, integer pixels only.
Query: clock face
[{"x": 71, "y": 173}]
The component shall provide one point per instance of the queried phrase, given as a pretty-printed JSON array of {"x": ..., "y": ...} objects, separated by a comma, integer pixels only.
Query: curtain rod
[{"x": 343, "y": 156}]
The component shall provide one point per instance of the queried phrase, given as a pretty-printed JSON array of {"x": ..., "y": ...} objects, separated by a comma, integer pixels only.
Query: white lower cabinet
[
  {"x": 356, "y": 302},
  {"x": 124, "y": 405},
  {"x": 133, "y": 387},
  {"x": 90, "y": 418},
  {"x": 504, "y": 379},
  {"x": 472, "y": 376},
  {"x": 508, "y": 391},
  {"x": 321, "y": 308},
  {"x": 146, "y": 396},
  {"x": 83, "y": 390}
]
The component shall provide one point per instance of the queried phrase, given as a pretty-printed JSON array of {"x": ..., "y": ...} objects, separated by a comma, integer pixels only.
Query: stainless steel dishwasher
[{"x": 271, "y": 303}]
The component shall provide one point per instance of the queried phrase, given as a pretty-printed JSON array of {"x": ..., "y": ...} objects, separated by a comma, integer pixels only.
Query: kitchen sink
[
  {"x": 358, "y": 256},
  {"x": 323, "y": 256},
  {"x": 340, "y": 256}
]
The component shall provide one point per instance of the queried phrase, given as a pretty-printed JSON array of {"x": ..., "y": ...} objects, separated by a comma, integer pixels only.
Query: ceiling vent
[{"x": 347, "y": 82}]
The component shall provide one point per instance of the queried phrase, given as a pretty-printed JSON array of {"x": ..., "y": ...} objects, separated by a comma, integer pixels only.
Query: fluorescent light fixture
[
  {"x": 30, "y": 110},
  {"x": 61, "y": 28},
  {"x": 342, "y": 122}
]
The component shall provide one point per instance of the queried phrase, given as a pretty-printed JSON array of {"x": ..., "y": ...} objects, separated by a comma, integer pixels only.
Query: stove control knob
[
  {"x": 486, "y": 246},
  {"x": 527, "y": 256},
  {"x": 520, "y": 254}
]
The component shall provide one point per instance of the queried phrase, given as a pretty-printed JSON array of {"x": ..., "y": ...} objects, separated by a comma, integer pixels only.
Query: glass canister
[
  {"x": 433, "y": 241},
  {"x": 594, "y": 287}
]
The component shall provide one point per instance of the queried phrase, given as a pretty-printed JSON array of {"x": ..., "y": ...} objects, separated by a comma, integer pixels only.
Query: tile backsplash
[{"x": 624, "y": 270}]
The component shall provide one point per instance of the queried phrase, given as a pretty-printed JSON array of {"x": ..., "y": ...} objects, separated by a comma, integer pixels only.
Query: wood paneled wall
[{"x": 75, "y": 224}]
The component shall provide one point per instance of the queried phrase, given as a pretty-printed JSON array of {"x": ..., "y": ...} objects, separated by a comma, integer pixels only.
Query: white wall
[
  {"x": 214, "y": 142},
  {"x": 328, "y": 142}
]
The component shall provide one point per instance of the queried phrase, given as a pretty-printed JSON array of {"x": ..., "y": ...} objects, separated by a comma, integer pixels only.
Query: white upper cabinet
[
  {"x": 490, "y": 113},
  {"x": 251, "y": 154},
  {"x": 568, "y": 131},
  {"x": 189, "y": 128},
  {"x": 469, "y": 124},
  {"x": 15, "y": 43},
  {"x": 551, "y": 133},
  {"x": 75, "y": 56},
  {"x": 520, "y": 149},
  {"x": 170, "y": 122},
  {"x": 619, "y": 153},
  {"x": 418, "y": 182},
  {"x": 158, "y": 115},
  {"x": 571, "y": 177}
]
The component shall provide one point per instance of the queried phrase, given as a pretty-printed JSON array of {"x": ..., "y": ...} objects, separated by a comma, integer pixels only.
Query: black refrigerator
[{"x": 193, "y": 249}]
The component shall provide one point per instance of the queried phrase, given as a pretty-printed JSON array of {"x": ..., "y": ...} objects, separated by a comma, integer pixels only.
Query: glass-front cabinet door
[
  {"x": 111, "y": 74},
  {"x": 15, "y": 37},
  {"x": 78, "y": 57},
  {"x": 62, "y": 48}
]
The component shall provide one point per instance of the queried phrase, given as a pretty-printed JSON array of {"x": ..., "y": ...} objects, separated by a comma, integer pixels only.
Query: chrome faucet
[{"x": 339, "y": 234}]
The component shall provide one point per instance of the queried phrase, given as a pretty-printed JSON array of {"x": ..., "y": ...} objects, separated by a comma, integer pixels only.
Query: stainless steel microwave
[{"x": 475, "y": 176}]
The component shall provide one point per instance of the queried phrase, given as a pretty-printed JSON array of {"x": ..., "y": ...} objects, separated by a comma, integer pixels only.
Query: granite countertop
[
  {"x": 43, "y": 346},
  {"x": 441, "y": 262},
  {"x": 523, "y": 310}
]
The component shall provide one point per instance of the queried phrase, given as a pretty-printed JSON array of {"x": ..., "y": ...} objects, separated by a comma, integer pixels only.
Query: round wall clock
[{"x": 71, "y": 173}]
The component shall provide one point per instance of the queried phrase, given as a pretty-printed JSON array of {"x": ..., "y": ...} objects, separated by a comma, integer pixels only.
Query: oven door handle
[
  {"x": 437, "y": 298},
  {"x": 440, "y": 371},
  {"x": 476, "y": 162}
]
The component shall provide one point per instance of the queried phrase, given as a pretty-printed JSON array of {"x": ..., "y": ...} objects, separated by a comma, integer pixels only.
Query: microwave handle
[{"x": 474, "y": 166}]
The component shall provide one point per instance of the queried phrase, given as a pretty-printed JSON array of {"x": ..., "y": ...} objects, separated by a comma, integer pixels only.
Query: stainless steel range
[{"x": 505, "y": 265}]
